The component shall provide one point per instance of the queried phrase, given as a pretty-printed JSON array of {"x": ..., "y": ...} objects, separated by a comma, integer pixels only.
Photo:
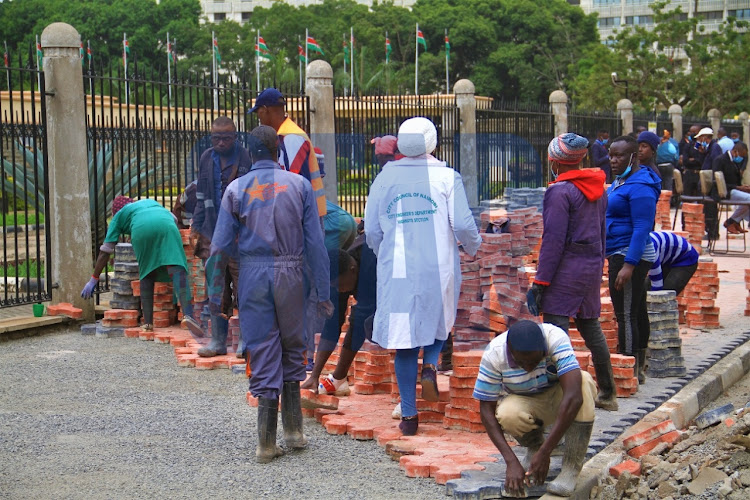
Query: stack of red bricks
[
  {"x": 233, "y": 338},
  {"x": 648, "y": 436},
  {"x": 747, "y": 285},
  {"x": 373, "y": 371},
  {"x": 626, "y": 383},
  {"x": 663, "y": 219},
  {"x": 694, "y": 223},
  {"x": 462, "y": 411},
  {"x": 120, "y": 318},
  {"x": 697, "y": 303},
  {"x": 196, "y": 272},
  {"x": 165, "y": 313}
]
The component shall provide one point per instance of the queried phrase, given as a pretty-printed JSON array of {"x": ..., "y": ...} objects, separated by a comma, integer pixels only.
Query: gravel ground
[{"x": 117, "y": 418}]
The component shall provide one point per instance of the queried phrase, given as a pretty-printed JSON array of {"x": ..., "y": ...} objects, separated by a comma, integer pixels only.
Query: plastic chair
[
  {"x": 678, "y": 190},
  {"x": 725, "y": 206}
]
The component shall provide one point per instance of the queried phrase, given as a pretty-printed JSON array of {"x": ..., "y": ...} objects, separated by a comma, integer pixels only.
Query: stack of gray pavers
[
  {"x": 524, "y": 197},
  {"x": 664, "y": 345},
  {"x": 126, "y": 270}
]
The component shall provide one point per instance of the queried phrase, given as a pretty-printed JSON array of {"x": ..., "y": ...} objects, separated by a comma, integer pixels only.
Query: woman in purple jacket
[{"x": 571, "y": 259}]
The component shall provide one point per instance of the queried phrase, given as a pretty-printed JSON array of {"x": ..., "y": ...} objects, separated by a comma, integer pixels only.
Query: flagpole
[
  {"x": 344, "y": 37},
  {"x": 387, "y": 64},
  {"x": 125, "y": 64},
  {"x": 215, "y": 72},
  {"x": 416, "y": 61},
  {"x": 299, "y": 64},
  {"x": 351, "y": 55},
  {"x": 38, "y": 68},
  {"x": 257, "y": 59},
  {"x": 169, "y": 67},
  {"x": 91, "y": 80},
  {"x": 7, "y": 65},
  {"x": 447, "y": 77},
  {"x": 307, "y": 56}
]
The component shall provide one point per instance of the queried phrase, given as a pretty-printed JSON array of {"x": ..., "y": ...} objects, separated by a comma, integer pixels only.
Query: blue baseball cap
[{"x": 269, "y": 97}]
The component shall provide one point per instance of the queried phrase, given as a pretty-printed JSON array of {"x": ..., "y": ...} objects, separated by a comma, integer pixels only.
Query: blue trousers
[
  {"x": 407, "y": 364},
  {"x": 272, "y": 321}
]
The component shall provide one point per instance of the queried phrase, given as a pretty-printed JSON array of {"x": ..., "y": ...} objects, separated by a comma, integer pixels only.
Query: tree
[{"x": 675, "y": 62}]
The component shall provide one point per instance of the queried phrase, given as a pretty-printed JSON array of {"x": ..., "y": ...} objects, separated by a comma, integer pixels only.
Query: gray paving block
[
  {"x": 109, "y": 331},
  {"x": 89, "y": 329}
]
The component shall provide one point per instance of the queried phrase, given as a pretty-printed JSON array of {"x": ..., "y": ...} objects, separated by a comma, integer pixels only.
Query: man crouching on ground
[{"x": 535, "y": 367}]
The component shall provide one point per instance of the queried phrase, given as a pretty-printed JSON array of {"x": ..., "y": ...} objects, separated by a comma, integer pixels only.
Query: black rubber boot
[
  {"x": 218, "y": 344},
  {"x": 268, "y": 415},
  {"x": 606, "y": 399},
  {"x": 532, "y": 441},
  {"x": 291, "y": 416},
  {"x": 576, "y": 443},
  {"x": 641, "y": 366},
  {"x": 147, "y": 301}
]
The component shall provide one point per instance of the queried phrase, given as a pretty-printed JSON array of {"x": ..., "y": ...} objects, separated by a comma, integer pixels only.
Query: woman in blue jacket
[{"x": 631, "y": 209}]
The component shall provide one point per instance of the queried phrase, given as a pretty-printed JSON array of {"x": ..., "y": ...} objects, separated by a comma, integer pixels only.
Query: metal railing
[
  {"x": 512, "y": 142},
  {"x": 24, "y": 188},
  {"x": 146, "y": 135},
  {"x": 589, "y": 125},
  {"x": 357, "y": 120}
]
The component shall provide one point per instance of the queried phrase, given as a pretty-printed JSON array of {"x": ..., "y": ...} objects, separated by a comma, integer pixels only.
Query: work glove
[
  {"x": 88, "y": 290},
  {"x": 534, "y": 298}
]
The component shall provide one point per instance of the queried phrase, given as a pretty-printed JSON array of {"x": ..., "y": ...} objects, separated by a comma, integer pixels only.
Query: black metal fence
[
  {"x": 662, "y": 120},
  {"x": 589, "y": 126},
  {"x": 146, "y": 135},
  {"x": 361, "y": 118},
  {"x": 24, "y": 189},
  {"x": 732, "y": 126},
  {"x": 512, "y": 142}
]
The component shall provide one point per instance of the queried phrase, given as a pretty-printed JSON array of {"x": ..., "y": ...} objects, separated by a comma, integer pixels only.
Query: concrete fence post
[
  {"x": 467, "y": 109},
  {"x": 558, "y": 101},
  {"x": 675, "y": 113},
  {"x": 745, "y": 119},
  {"x": 714, "y": 117},
  {"x": 70, "y": 224},
  {"x": 625, "y": 109},
  {"x": 322, "y": 132}
]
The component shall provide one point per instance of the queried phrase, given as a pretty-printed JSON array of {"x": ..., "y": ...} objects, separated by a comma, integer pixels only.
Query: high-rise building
[
  {"x": 614, "y": 14},
  {"x": 241, "y": 10}
]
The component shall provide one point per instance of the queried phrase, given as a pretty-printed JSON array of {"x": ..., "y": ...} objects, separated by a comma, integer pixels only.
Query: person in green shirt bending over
[{"x": 158, "y": 248}]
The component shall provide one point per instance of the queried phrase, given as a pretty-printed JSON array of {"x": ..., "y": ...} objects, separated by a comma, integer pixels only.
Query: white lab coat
[{"x": 416, "y": 211}]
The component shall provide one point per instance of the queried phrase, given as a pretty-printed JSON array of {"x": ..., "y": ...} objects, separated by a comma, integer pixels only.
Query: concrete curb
[{"x": 681, "y": 409}]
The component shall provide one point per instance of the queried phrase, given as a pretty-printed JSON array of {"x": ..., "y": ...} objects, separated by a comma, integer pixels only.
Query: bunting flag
[
  {"x": 313, "y": 46},
  {"x": 39, "y": 55},
  {"x": 420, "y": 39},
  {"x": 88, "y": 52},
  {"x": 81, "y": 54},
  {"x": 388, "y": 49},
  {"x": 301, "y": 54},
  {"x": 171, "y": 52},
  {"x": 6, "y": 58},
  {"x": 447, "y": 47},
  {"x": 125, "y": 51},
  {"x": 217, "y": 55},
  {"x": 346, "y": 50},
  {"x": 261, "y": 49}
]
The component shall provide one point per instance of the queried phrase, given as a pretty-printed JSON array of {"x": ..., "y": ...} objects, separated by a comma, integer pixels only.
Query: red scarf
[{"x": 590, "y": 181}]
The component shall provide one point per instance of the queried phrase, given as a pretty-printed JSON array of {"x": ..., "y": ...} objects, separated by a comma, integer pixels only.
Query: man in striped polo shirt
[
  {"x": 534, "y": 369},
  {"x": 676, "y": 262}
]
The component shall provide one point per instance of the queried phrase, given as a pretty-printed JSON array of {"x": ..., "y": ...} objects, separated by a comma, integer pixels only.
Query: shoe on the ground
[
  {"x": 409, "y": 425},
  {"x": 147, "y": 327},
  {"x": 396, "y": 412},
  {"x": 329, "y": 385},
  {"x": 429, "y": 383},
  {"x": 191, "y": 324}
]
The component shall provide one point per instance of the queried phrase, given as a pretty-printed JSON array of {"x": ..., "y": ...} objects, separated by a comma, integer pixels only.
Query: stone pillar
[
  {"x": 625, "y": 109},
  {"x": 467, "y": 109},
  {"x": 320, "y": 89},
  {"x": 714, "y": 117},
  {"x": 70, "y": 222},
  {"x": 745, "y": 119},
  {"x": 675, "y": 113},
  {"x": 558, "y": 102}
]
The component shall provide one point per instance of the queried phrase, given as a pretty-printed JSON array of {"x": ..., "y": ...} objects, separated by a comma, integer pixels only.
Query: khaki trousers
[{"x": 518, "y": 415}]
